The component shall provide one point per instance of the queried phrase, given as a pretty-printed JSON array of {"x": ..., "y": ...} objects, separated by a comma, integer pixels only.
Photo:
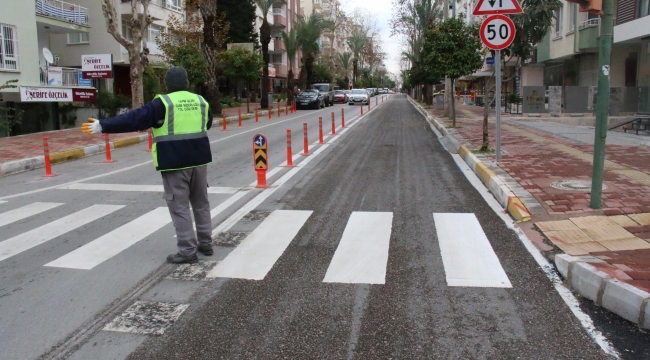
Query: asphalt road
[{"x": 390, "y": 162}]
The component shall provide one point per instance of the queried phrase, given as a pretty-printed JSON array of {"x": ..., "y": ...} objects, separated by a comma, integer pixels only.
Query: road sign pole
[{"x": 497, "y": 99}]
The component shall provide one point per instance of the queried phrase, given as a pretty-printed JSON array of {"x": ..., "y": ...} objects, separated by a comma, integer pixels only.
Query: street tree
[
  {"x": 239, "y": 63},
  {"x": 452, "y": 48},
  {"x": 241, "y": 16},
  {"x": 531, "y": 27},
  {"x": 265, "y": 39},
  {"x": 344, "y": 58},
  {"x": 356, "y": 43},
  {"x": 291, "y": 46},
  {"x": 135, "y": 47},
  {"x": 209, "y": 46},
  {"x": 308, "y": 31},
  {"x": 9, "y": 117}
]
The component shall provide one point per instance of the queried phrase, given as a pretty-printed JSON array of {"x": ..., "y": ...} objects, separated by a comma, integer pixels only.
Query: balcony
[
  {"x": 281, "y": 70},
  {"x": 318, "y": 4},
  {"x": 70, "y": 77},
  {"x": 279, "y": 20},
  {"x": 589, "y": 34},
  {"x": 64, "y": 11},
  {"x": 278, "y": 45}
]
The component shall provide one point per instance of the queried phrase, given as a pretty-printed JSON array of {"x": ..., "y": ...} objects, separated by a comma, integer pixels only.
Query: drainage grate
[{"x": 574, "y": 185}]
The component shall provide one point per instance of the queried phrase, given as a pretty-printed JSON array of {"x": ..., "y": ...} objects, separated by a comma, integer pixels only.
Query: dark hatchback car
[{"x": 310, "y": 99}]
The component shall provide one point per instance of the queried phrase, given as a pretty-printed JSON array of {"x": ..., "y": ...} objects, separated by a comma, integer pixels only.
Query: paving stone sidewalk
[{"x": 614, "y": 239}]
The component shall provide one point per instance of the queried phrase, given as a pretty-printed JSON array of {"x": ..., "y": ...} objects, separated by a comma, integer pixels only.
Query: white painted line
[
  {"x": 2, "y": 202},
  {"x": 257, "y": 254},
  {"x": 467, "y": 255},
  {"x": 542, "y": 262},
  {"x": 28, "y": 240},
  {"x": 140, "y": 188},
  {"x": 25, "y": 212},
  {"x": 116, "y": 241},
  {"x": 362, "y": 254}
]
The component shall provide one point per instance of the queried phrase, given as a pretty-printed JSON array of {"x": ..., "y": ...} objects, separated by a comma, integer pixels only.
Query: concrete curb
[
  {"x": 616, "y": 296},
  {"x": 512, "y": 197},
  {"x": 36, "y": 162}
]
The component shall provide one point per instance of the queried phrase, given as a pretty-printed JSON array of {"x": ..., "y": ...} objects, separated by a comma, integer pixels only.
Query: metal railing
[
  {"x": 277, "y": 11},
  {"x": 589, "y": 23},
  {"x": 63, "y": 10},
  {"x": 70, "y": 76}
]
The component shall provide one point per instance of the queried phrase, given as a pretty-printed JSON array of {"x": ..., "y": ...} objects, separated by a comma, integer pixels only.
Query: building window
[
  {"x": 8, "y": 47},
  {"x": 126, "y": 30},
  {"x": 644, "y": 8},
  {"x": 176, "y": 5},
  {"x": 558, "y": 21},
  {"x": 155, "y": 31},
  {"x": 276, "y": 58},
  {"x": 78, "y": 38},
  {"x": 573, "y": 7}
]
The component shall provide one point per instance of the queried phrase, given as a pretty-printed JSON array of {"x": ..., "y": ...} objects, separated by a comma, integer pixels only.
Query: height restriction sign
[
  {"x": 494, "y": 7},
  {"x": 497, "y": 32}
]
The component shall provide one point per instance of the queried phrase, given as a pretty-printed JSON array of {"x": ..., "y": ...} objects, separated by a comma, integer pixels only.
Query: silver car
[{"x": 358, "y": 97}]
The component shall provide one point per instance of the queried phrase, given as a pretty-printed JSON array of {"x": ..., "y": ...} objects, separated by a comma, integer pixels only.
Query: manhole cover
[{"x": 574, "y": 185}]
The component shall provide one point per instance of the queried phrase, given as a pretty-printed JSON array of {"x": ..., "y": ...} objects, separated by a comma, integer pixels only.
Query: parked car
[
  {"x": 358, "y": 96},
  {"x": 310, "y": 99},
  {"x": 371, "y": 92},
  {"x": 340, "y": 97},
  {"x": 327, "y": 91}
]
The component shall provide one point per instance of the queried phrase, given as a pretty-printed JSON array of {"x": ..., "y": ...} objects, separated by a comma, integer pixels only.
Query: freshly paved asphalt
[{"x": 391, "y": 161}]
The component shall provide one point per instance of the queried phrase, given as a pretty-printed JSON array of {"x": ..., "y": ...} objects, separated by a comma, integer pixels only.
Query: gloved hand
[{"x": 91, "y": 127}]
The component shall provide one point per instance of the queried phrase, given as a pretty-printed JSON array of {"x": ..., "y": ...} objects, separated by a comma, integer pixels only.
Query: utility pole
[
  {"x": 602, "y": 102},
  {"x": 445, "y": 16}
]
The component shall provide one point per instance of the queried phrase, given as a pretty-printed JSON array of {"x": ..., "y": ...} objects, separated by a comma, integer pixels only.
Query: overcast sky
[{"x": 382, "y": 11}]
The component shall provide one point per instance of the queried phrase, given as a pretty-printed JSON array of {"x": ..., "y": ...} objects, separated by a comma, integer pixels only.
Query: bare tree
[
  {"x": 137, "y": 52},
  {"x": 209, "y": 47}
]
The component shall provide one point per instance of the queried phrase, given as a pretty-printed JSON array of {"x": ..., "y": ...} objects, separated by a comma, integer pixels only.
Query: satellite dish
[{"x": 48, "y": 56}]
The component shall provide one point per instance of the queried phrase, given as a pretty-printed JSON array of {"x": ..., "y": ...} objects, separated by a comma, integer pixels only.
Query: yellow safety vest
[{"x": 182, "y": 141}]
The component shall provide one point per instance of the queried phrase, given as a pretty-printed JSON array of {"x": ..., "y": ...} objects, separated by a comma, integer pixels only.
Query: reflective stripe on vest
[{"x": 185, "y": 119}]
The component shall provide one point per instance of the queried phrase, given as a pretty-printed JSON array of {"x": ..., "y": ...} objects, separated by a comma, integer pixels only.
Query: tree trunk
[
  {"x": 452, "y": 105},
  {"x": 354, "y": 73},
  {"x": 309, "y": 68},
  {"x": 347, "y": 81},
  {"x": 486, "y": 106},
  {"x": 265, "y": 39},
  {"x": 208, "y": 10},
  {"x": 290, "y": 85}
]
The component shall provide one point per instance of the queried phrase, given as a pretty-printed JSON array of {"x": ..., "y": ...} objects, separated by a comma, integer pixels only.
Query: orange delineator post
[
  {"x": 333, "y": 124},
  {"x": 289, "y": 152},
  {"x": 342, "y": 118},
  {"x": 286, "y": 109},
  {"x": 224, "y": 120},
  {"x": 279, "y": 110},
  {"x": 376, "y": 101},
  {"x": 239, "y": 114},
  {"x": 361, "y": 107},
  {"x": 368, "y": 104},
  {"x": 261, "y": 178},
  {"x": 257, "y": 116},
  {"x": 46, "y": 155},
  {"x": 320, "y": 130},
  {"x": 150, "y": 140},
  {"x": 270, "y": 112},
  {"x": 108, "y": 149},
  {"x": 305, "y": 139}
]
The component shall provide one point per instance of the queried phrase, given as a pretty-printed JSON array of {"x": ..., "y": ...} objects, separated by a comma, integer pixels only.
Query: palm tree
[
  {"x": 344, "y": 57},
  {"x": 356, "y": 44},
  {"x": 291, "y": 45},
  {"x": 308, "y": 31},
  {"x": 265, "y": 39}
]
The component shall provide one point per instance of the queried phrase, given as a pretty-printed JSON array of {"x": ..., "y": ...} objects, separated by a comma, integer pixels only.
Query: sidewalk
[
  {"x": 25, "y": 152},
  {"x": 603, "y": 254}
]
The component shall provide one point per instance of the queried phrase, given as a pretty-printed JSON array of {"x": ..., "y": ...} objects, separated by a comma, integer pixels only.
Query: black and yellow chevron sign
[{"x": 260, "y": 159}]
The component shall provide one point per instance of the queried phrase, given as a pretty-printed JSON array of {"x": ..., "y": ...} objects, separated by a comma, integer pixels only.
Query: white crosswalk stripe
[
  {"x": 362, "y": 254},
  {"x": 467, "y": 255},
  {"x": 116, "y": 241},
  {"x": 42, "y": 234},
  {"x": 141, "y": 188},
  {"x": 259, "y": 251},
  {"x": 25, "y": 212}
]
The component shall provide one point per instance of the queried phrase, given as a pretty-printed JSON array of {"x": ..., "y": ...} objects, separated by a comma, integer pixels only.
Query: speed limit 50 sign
[{"x": 497, "y": 32}]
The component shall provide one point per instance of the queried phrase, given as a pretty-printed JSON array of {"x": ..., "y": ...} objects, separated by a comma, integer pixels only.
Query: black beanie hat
[{"x": 176, "y": 79}]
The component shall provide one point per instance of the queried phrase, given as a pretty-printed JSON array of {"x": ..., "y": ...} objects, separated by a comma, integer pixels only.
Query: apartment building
[
  {"x": 28, "y": 28},
  {"x": 97, "y": 40},
  {"x": 568, "y": 55},
  {"x": 283, "y": 17}
]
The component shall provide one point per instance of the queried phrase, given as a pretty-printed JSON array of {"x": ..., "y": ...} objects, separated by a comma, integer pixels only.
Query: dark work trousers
[{"x": 182, "y": 188}]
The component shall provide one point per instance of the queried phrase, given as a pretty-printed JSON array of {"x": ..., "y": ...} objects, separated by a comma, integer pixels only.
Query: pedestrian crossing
[
  {"x": 140, "y": 188},
  {"x": 361, "y": 256}
]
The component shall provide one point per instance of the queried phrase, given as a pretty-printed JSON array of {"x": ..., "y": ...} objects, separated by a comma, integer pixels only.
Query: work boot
[
  {"x": 180, "y": 259},
  {"x": 205, "y": 249}
]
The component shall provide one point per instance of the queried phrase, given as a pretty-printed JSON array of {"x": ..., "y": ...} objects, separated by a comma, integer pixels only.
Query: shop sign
[
  {"x": 49, "y": 94},
  {"x": 55, "y": 76},
  {"x": 97, "y": 66}
]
